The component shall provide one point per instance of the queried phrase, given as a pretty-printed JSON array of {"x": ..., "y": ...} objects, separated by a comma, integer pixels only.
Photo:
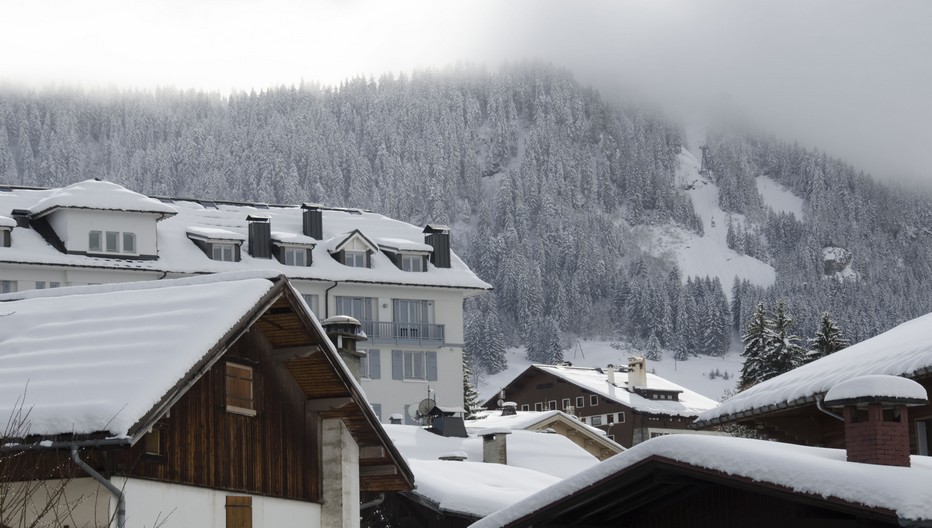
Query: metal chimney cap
[
  {"x": 257, "y": 218},
  {"x": 493, "y": 431},
  {"x": 876, "y": 388},
  {"x": 311, "y": 206},
  {"x": 340, "y": 319}
]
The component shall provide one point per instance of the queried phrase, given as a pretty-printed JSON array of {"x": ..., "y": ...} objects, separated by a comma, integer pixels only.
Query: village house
[
  {"x": 786, "y": 408},
  {"x": 207, "y": 401},
  {"x": 715, "y": 481},
  {"x": 630, "y": 406},
  {"x": 402, "y": 282}
]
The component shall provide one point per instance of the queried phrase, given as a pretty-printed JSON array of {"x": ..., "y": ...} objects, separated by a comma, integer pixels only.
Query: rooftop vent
[
  {"x": 509, "y": 408},
  {"x": 21, "y": 216},
  {"x": 876, "y": 419},
  {"x": 344, "y": 332},
  {"x": 447, "y": 421}
]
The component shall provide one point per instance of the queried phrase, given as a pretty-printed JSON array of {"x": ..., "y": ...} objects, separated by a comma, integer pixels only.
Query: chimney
[
  {"x": 509, "y": 409},
  {"x": 313, "y": 221},
  {"x": 344, "y": 331},
  {"x": 494, "y": 447},
  {"x": 21, "y": 216},
  {"x": 396, "y": 419},
  {"x": 610, "y": 372},
  {"x": 637, "y": 372},
  {"x": 438, "y": 237},
  {"x": 260, "y": 236},
  {"x": 876, "y": 419},
  {"x": 455, "y": 456}
]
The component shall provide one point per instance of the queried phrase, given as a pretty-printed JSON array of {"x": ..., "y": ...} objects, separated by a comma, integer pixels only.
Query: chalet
[
  {"x": 630, "y": 406},
  {"x": 590, "y": 438},
  {"x": 716, "y": 481},
  {"x": 205, "y": 401},
  {"x": 400, "y": 281},
  {"x": 786, "y": 408}
]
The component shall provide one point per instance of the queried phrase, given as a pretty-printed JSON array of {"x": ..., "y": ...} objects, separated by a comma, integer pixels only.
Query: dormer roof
[
  {"x": 6, "y": 222},
  {"x": 101, "y": 196},
  {"x": 403, "y": 245},
  {"x": 297, "y": 239},
  {"x": 215, "y": 234},
  {"x": 339, "y": 242}
]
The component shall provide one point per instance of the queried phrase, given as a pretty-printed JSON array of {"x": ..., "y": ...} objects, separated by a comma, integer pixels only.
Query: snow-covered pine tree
[
  {"x": 654, "y": 353},
  {"x": 755, "y": 347},
  {"x": 783, "y": 352},
  {"x": 470, "y": 396},
  {"x": 828, "y": 339}
]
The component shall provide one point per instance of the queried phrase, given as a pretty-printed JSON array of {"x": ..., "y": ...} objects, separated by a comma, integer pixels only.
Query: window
[
  {"x": 129, "y": 242},
  {"x": 552, "y": 405},
  {"x": 112, "y": 242},
  {"x": 93, "y": 241},
  {"x": 595, "y": 420},
  {"x": 295, "y": 256},
  {"x": 412, "y": 318},
  {"x": 239, "y": 393},
  {"x": 593, "y": 400},
  {"x": 566, "y": 403},
  {"x": 312, "y": 300},
  {"x": 239, "y": 512},
  {"x": 580, "y": 401},
  {"x": 223, "y": 252},
  {"x": 610, "y": 418},
  {"x": 621, "y": 417},
  {"x": 7, "y": 286},
  {"x": 414, "y": 365},
  {"x": 54, "y": 285},
  {"x": 538, "y": 406},
  {"x": 5, "y": 239},
  {"x": 40, "y": 285},
  {"x": 525, "y": 407},
  {"x": 355, "y": 259},
  {"x": 152, "y": 442},
  {"x": 370, "y": 365},
  {"x": 412, "y": 263},
  {"x": 362, "y": 308}
]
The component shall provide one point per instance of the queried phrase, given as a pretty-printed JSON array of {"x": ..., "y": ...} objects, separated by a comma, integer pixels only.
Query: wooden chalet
[{"x": 265, "y": 425}]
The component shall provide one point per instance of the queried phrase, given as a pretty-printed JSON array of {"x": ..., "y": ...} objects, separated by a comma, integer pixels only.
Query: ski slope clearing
[{"x": 779, "y": 198}]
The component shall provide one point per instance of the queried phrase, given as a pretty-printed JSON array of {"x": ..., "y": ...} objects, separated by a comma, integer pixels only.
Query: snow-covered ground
[
  {"x": 693, "y": 374},
  {"x": 779, "y": 198}
]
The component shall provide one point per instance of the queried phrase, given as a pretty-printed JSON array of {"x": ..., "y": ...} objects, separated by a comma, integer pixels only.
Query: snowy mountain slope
[
  {"x": 779, "y": 198},
  {"x": 707, "y": 255}
]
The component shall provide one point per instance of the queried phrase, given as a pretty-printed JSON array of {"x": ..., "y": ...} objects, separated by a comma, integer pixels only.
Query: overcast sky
[{"x": 850, "y": 77}]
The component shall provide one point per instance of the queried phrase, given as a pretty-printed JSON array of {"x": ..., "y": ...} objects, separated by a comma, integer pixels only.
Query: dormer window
[
  {"x": 354, "y": 259},
  {"x": 295, "y": 256},
  {"x": 223, "y": 252},
  {"x": 111, "y": 242},
  {"x": 412, "y": 263}
]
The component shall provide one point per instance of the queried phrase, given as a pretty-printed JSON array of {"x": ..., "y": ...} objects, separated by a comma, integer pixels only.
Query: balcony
[{"x": 416, "y": 334}]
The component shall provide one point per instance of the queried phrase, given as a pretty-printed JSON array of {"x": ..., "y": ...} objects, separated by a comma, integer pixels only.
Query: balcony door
[{"x": 412, "y": 317}]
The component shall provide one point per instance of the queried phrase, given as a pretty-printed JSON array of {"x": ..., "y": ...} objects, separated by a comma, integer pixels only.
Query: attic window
[
  {"x": 223, "y": 252},
  {"x": 152, "y": 442},
  {"x": 295, "y": 256},
  {"x": 111, "y": 242},
  {"x": 239, "y": 389},
  {"x": 412, "y": 263},
  {"x": 354, "y": 258}
]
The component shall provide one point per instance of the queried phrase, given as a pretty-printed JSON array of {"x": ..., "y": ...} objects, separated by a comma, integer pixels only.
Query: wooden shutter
[
  {"x": 239, "y": 393},
  {"x": 375, "y": 364},
  {"x": 431, "y": 366},
  {"x": 239, "y": 512},
  {"x": 397, "y": 365}
]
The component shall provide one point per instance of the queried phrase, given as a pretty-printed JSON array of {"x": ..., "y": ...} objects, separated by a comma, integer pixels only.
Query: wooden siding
[{"x": 275, "y": 452}]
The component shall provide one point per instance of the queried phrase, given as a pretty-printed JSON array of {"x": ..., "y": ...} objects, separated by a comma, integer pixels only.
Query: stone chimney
[
  {"x": 637, "y": 372},
  {"x": 344, "y": 332},
  {"x": 438, "y": 237},
  {"x": 610, "y": 372},
  {"x": 876, "y": 419},
  {"x": 313, "y": 221},
  {"x": 509, "y": 409},
  {"x": 494, "y": 446},
  {"x": 260, "y": 236}
]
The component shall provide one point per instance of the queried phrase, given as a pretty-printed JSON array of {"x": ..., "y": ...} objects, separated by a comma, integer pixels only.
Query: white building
[{"x": 401, "y": 281}]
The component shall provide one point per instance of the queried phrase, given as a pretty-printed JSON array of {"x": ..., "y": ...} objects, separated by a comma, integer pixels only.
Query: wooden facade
[
  {"x": 661, "y": 493},
  {"x": 536, "y": 389}
]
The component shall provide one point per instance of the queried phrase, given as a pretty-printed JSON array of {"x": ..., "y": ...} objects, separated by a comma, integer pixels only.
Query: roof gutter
[
  {"x": 117, "y": 492},
  {"x": 818, "y": 404}
]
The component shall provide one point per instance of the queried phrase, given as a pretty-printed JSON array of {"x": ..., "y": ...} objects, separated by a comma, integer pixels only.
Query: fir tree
[
  {"x": 783, "y": 352},
  {"x": 470, "y": 396},
  {"x": 654, "y": 353},
  {"x": 755, "y": 348},
  {"x": 828, "y": 339}
]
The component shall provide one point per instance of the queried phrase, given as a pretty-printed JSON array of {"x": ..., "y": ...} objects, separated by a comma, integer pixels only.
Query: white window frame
[
  {"x": 8, "y": 286},
  {"x": 593, "y": 400},
  {"x": 566, "y": 403},
  {"x": 354, "y": 258},
  {"x": 312, "y": 300},
  {"x": 95, "y": 246},
  {"x": 412, "y": 262},
  {"x": 223, "y": 250},
  {"x": 40, "y": 285},
  {"x": 111, "y": 236},
  {"x": 621, "y": 417},
  {"x": 413, "y": 365},
  {"x": 580, "y": 401},
  {"x": 131, "y": 246},
  {"x": 525, "y": 407},
  {"x": 295, "y": 256},
  {"x": 360, "y": 308},
  {"x": 552, "y": 405},
  {"x": 538, "y": 406},
  {"x": 595, "y": 420},
  {"x": 364, "y": 367}
]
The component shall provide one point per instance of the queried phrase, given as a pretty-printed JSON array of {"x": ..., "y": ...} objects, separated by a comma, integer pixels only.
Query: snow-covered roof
[
  {"x": 524, "y": 420},
  {"x": 903, "y": 351},
  {"x": 178, "y": 254},
  {"x": 877, "y": 387},
  {"x": 293, "y": 238},
  {"x": 97, "y": 358},
  {"x": 690, "y": 403},
  {"x": 401, "y": 244},
  {"x": 535, "y": 461},
  {"x": 813, "y": 471},
  {"x": 215, "y": 233},
  {"x": 101, "y": 195},
  {"x": 7, "y": 222}
]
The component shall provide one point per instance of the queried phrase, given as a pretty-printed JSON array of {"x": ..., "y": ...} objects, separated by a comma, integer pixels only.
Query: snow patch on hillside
[
  {"x": 697, "y": 374},
  {"x": 779, "y": 198},
  {"x": 707, "y": 255}
]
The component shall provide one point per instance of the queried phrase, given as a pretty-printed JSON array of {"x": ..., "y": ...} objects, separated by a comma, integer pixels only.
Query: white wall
[
  {"x": 151, "y": 503},
  {"x": 84, "y": 503}
]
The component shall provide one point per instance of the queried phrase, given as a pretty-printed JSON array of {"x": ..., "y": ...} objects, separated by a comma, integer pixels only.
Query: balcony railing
[{"x": 420, "y": 334}]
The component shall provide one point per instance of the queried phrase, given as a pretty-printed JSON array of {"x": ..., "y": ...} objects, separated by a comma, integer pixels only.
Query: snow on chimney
[
  {"x": 637, "y": 372},
  {"x": 509, "y": 408},
  {"x": 610, "y": 372},
  {"x": 876, "y": 419}
]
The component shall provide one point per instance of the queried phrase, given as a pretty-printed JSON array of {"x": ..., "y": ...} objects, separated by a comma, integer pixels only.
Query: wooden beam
[
  {"x": 377, "y": 471},
  {"x": 375, "y": 451},
  {"x": 289, "y": 353},
  {"x": 328, "y": 404}
]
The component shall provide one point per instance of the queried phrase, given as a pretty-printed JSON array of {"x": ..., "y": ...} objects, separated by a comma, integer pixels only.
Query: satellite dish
[
  {"x": 500, "y": 402},
  {"x": 425, "y": 406},
  {"x": 412, "y": 412}
]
